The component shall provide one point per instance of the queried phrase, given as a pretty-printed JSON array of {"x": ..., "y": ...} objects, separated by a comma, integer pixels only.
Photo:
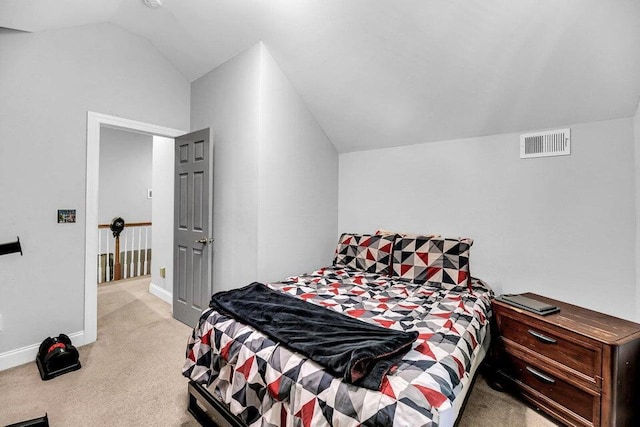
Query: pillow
[
  {"x": 435, "y": 259},
  {"x": 364, "y": 252}
]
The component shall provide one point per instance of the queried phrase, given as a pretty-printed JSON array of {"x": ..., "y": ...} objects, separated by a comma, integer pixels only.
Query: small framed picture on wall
[{"x": 66, "y": 215}]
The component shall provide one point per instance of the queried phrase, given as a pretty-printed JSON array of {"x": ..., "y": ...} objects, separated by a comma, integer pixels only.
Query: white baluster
[
  {"x": 140, "y": 272},
  {"x": 99, "y": 256},
  {"x": 108, "y": 264},
  {"x": 132, "y": 263},
  {"x": 125, "y": 263},
  {"x": 146, "y": 254}
]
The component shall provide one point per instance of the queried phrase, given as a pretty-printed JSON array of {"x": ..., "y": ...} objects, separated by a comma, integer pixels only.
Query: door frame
[{"x": 94, "y": 122}]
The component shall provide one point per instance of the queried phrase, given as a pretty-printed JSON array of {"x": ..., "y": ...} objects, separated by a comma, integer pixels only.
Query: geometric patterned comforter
[{"x": 266, "y": 384}]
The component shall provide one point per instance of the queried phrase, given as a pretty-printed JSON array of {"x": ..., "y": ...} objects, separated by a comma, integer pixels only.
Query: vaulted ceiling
[{"x": 378, "y": 73}]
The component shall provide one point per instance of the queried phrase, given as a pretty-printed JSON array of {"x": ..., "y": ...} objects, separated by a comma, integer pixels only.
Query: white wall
[
  {"x": 298, "y": 182},
  {"x": 636, "y": 132},
  {"x": 561, "y": 226},
  {"x": 125, "y": 176},
  {"x": 227, "y": 101},
  {"x": 162, "y": 213},
  {"x": 275, "y": 173},
  {"x": 48, "y": 82}
]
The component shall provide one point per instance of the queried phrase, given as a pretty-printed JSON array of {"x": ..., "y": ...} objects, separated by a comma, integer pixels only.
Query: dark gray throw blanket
[{"x": 358, "y": 352}]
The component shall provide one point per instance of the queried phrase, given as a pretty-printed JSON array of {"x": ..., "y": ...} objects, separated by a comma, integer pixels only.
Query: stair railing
[{"x": 131, "y": 255}]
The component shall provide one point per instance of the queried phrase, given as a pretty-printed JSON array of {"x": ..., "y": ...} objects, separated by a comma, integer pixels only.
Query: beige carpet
[
  {"x": 131, "y": 375},
  {"x": 487, "y": 407}
]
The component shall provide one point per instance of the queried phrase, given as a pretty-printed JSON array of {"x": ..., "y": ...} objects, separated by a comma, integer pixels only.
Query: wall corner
[{"x": 636, "y": 150}]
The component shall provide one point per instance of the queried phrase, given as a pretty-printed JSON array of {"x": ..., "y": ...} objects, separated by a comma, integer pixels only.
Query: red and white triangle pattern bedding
[{"x": 266, "y": 384}]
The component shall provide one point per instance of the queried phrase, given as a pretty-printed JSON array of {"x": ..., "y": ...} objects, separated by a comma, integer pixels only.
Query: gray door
[{"x": 193, "y": 238}]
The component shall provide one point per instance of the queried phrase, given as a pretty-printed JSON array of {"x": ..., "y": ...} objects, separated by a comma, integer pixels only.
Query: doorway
[
  {"x": 94, "y": 122},
  {"x": 126, "y": 186}
]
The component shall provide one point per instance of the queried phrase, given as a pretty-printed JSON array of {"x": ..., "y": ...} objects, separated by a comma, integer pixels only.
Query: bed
[{"x": 403, "y": 283}]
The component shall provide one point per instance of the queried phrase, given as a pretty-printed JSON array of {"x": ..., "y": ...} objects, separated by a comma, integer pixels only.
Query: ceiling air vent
[{"x": 545, "y": 144}]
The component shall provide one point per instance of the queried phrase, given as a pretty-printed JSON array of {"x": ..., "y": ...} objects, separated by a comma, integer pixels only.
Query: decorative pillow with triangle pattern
[
  {"x": 364, "y": 252},
  {"x": 434, "y": 259}
]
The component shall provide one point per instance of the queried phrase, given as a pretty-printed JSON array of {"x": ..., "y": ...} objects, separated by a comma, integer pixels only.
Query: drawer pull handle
[
  {"x": 545, "y": 339},
  {"x": 547, "y": 379}
]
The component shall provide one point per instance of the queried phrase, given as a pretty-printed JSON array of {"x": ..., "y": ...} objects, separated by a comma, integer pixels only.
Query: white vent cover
[{"x": 545, "y": 144}]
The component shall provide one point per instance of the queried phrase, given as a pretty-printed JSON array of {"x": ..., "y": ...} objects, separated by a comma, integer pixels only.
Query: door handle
[{"x": 205, "y": 240}]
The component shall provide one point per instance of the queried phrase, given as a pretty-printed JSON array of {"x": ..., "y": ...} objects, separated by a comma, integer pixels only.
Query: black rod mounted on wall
[{"x": 9, "y": 248}]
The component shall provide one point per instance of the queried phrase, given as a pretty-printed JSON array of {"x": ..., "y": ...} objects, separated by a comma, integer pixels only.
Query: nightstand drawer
[
  {"x": 569, "y": 350},
  {"x": 578, "y": 404}
]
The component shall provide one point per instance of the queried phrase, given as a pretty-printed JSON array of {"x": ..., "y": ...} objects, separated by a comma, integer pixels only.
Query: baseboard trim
[
  {"x": 20, "y": 356},
  {"x": 161, "y": 293}
]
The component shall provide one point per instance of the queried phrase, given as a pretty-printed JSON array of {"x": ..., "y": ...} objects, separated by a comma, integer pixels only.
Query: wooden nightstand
[{"x": 578, "y": 365}]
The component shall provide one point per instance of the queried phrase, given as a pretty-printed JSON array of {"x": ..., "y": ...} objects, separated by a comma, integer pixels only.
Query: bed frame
[
  {"x": 208, "y": 410},
  {"x": 211, "y": 412}
]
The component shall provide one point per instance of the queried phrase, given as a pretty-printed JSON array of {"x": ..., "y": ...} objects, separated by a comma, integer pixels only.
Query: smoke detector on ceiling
[{"x": 153, "y": 4}]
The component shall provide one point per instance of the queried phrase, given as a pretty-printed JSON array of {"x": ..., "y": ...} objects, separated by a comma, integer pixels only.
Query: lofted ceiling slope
[{"x": 378, "y": 73}]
